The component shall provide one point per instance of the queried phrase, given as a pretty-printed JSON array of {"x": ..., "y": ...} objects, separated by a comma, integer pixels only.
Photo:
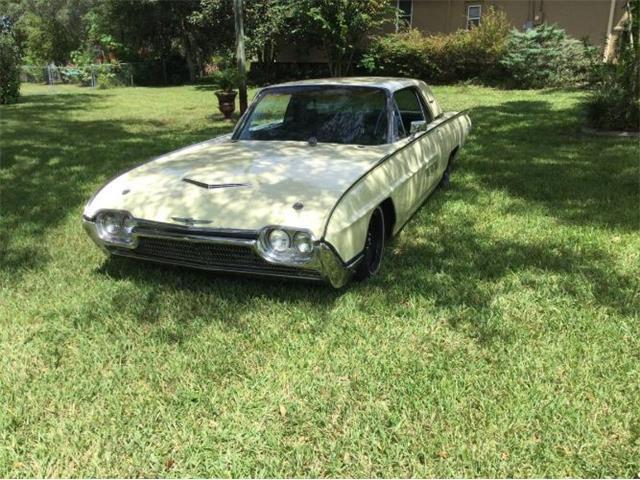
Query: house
[
  {"x": 582, "y": 19},
  {"x": 591, "y": 20}
]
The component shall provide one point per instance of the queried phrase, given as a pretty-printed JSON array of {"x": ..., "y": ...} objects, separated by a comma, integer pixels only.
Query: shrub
[
  {"x": 9, "y": 68},
  {"x": 545, "y": 57},
  {"x": 462, "y": 55},
  {"x": 109, "y": 75},
  {"x": 614, "y": 103},
  {"x": 227, "y": 79}
]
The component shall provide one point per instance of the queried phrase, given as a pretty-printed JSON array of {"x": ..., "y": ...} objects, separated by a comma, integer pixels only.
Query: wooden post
[{"x": 242, "y": 65}]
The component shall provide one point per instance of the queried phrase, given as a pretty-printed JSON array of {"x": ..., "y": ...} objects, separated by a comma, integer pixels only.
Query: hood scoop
[{"x": 213, "y": 186}]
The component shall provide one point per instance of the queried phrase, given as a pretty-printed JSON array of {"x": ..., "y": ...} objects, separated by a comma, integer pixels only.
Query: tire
[
  {"x": 445, "y": 181},
  {"x": 373, "y": 248}
]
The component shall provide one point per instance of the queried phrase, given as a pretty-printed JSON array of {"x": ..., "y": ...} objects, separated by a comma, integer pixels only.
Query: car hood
[{"x": 241, "y": 185}]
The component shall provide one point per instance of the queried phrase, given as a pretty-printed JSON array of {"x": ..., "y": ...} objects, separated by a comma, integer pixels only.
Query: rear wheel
[
  {"x": 373, "y": 248},
  {"x": 445, "y": 181}
]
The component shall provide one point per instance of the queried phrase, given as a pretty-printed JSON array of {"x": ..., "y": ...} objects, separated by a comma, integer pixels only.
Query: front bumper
[{"x": 234, "y": 251}]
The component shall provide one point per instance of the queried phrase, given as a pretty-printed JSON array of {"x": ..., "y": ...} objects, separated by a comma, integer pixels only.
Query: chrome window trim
[{"x": 235, "y": 136}]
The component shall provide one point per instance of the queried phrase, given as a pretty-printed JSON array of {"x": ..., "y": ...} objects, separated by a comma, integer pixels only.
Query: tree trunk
[
  {"x": 347, "y": 70},
  {"x": 190, "y": 66},
  {"x": 242, "y": 66},
  {"x": 330, "y": 60},
  {"x": 188, "y": 52},
  {"x": 611, "y": 49},
  {"x": 164, "y": 70}
]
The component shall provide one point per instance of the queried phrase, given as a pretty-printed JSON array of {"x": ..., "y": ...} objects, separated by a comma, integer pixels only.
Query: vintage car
[{"x": 315, "y": 178}]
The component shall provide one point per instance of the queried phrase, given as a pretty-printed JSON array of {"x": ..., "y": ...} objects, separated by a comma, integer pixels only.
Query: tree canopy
[{"x": 188, "y": 32}]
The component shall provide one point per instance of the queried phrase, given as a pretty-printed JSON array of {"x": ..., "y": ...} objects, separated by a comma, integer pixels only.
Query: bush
[
  {"x": 228, "y": 79},
  {"x": 462, "y": 55},
  {"x": 492, "y": 52},
  {"x": 109, "y": 75},
  {"x": 615, "y": 101},
  {"x": 545, "y": 57},
  {"x": 9, "y": 69}
]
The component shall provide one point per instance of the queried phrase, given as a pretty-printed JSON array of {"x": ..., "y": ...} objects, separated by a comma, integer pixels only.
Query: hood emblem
[
  {"x": 212, "y": 186},
  {"x": 190, "y": 222}
]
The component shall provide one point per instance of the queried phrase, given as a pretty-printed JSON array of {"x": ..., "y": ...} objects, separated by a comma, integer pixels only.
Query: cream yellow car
[{"x": 315, "y": 178}]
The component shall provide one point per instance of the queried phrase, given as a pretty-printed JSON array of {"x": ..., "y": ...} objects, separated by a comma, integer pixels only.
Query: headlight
[
  {"x": 279, "y": 240},
  {"x": 302, "y": 242},
  {"x": 115, "y": 227},
  {"x": 286, "y": 245}
]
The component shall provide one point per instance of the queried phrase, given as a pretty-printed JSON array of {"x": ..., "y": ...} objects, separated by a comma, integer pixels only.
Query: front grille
[{"x": 212, "y": 256}]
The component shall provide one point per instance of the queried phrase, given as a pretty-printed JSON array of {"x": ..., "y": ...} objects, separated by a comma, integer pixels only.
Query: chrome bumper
[{"x": 324, "y": 265}]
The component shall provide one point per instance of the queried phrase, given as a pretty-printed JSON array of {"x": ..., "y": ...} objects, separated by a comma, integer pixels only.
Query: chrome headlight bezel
[
  {"x": 115, "y": 227},
  {"x": 291, "y": 255}
]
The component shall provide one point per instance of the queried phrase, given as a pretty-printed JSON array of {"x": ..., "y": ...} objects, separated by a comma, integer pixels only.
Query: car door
[{"x": 417, "y": 151}]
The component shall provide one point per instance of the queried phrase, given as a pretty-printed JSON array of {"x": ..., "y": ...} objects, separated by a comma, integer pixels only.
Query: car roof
[{"x": 387, "y": 83}]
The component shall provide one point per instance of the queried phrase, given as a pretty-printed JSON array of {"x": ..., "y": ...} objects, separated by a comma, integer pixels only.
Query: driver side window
[{"x": 409, "y": 108}]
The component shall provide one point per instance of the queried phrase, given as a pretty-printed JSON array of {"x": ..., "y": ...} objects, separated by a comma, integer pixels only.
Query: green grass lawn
[{"x": 500, "y": 339}]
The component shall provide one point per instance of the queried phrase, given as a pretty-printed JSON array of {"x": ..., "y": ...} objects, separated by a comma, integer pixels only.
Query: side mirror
[{"x": 418, "y": 126}]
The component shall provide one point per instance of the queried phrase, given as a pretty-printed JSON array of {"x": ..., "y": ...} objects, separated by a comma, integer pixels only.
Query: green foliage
[
  {"x": 457, "y": 56},
  {"x": 46, "y": 40},
  {"x": 9, "y": 68},
  {"x": 227, "y": 79},
  {"x": 267, "y": 22},
  {"x": 97, "y": 44},
  {"x": 49, "y": 30},
  {"x": 491, "y": 52},
  {"x": 339, "y": 26},
  {"x": 545, "y": 57},
  {"x": 615, "y": 101}
]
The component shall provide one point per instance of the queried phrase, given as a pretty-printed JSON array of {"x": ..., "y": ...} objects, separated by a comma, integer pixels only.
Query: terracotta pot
[{"x": 226, "y": 102}]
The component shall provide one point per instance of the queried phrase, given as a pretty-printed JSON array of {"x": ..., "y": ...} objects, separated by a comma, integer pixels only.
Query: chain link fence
[{"x": 103, "y": 75}]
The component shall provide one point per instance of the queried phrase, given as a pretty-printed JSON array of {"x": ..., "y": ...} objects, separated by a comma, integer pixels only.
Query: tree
[
  {"x": 9, "y": 63},
  {"x": 153, "y": 30},
  {"x": 267, "y": 23},
  {"x": 339, "y": 26},
  {"x": 48, "y": 30},
  {"x": 163, "y": 29}
]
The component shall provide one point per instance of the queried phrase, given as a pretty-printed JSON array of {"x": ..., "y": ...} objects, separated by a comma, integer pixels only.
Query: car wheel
[
  {"x": 445, "y": 181},
  {"x": 373, "y": 248}
]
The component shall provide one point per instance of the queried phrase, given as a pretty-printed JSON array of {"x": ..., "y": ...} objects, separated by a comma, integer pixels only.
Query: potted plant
[{"x": 227, "y": 80}]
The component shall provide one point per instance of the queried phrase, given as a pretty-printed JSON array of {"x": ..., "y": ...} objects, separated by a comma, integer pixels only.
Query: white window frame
[
  {"x": 404, "y": 18},
  {"x": 469, "y": 18}
]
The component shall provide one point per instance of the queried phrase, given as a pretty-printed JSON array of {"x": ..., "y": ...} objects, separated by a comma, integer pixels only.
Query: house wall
[{"x": 580, "y": 18}]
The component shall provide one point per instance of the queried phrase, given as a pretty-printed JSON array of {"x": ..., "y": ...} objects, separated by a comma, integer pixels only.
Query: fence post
[{"x": 93, "y": 76}]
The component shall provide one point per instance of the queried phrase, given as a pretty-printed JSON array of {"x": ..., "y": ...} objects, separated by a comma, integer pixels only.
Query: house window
[
  {"x": 473, "y": 16},
  {"x": 404, "y": 15}
]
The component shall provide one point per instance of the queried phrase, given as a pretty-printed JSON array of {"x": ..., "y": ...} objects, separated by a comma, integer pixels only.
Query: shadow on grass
[
  {"x": 207, "y": 88},
  {"x": 230, "y": 300},
  {"x": 51, "y": 163},
  {"x": 535, "y": 152},
  {"x": 459, "y": 267}
]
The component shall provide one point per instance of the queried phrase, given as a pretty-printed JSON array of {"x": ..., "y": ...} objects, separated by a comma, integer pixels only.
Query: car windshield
[{"x": 347, "y": 115}]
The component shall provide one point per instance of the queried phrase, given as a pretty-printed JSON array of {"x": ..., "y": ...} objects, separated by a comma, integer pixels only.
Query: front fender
[{"x": 347, "y": 225}]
